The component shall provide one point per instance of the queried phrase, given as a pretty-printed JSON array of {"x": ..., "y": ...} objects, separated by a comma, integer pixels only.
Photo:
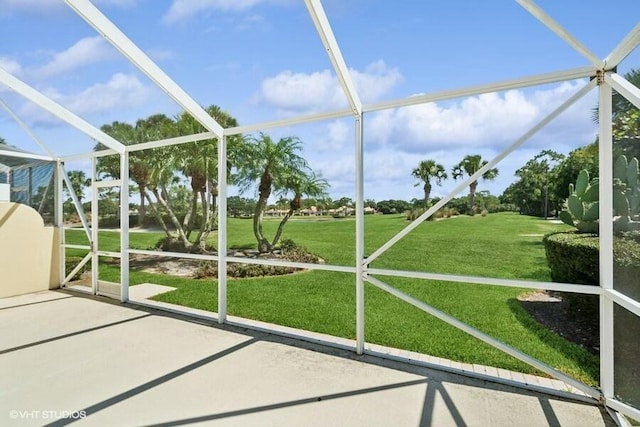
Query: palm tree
[
  {"x": 424, "y": 172},
  {"x": 470, "y": 165},
  {"x": 278, "y": 168},
  {"x": 198, "y": 161},
  {"x": 148, "y": 129},
  {"x": 307, "y": 183}
]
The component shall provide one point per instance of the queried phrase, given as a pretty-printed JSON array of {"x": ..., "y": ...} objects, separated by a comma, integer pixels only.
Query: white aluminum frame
[
  {"x": 602, "y": 73},
  {"x": 554, "y": 26},
  {"x": 58, "y": 110},
  {"x": 27, "y": 130},
  {"x": 605, "y": 147}
]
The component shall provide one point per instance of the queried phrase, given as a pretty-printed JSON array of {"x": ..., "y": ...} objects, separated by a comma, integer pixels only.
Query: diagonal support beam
[
  {"x": 624, "y": 88},
  {"x": 416, "y": 223},
  {"x": 136, "y": 56},
  {"x": 484, "y": 337},
  {"x": 333, "y": 50},
  {"x": 26, "y": 128},
  {"x": 624, "y": 48},
  {"x": 58, "y": 110},
  {"x": 76, "y": 203},
  {"x": 554, "y": 26}
]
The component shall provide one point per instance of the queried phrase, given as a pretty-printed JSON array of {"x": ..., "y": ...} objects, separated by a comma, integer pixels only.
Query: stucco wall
[{"x": 28, "y": 251}]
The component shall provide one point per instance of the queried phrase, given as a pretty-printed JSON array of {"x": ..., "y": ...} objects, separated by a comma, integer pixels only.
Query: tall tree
[
  {"x": 469, "y": 165},
  {"x": 198, "y": 162},
  {"x": 277, "y": 168},
  {"x": 566, "y": 172},
  {"x": 425, "y": 172},
  {"x": 149, "y": 129},
  {"x": 533, "y": 192},
  {"x": 79, "y": 182}
]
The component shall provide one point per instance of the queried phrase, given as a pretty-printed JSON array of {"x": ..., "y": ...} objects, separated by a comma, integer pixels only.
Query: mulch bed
[{"x": 550, "y": 310}]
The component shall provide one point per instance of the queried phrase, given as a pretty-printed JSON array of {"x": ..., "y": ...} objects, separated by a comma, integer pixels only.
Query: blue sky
[{"x": 263, "y": 60}]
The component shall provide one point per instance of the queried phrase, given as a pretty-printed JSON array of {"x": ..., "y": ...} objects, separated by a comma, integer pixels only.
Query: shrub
[
  {"x": 413, "y": 214},
  {"x": 574, "y": 258},
  {"x": 289, "y": 251},
  {"x": 444, "y": 212}
]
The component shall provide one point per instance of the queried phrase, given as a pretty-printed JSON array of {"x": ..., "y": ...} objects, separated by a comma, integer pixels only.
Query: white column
[
  {"x": 222, "y": 229},
  {"x": 606, "y": 238},
  {"x": 360, "y": 267},
  {"x": 124, "y": 227},
  {"x": 59, "y": 219},
  {"x": 94, "y": 227}
]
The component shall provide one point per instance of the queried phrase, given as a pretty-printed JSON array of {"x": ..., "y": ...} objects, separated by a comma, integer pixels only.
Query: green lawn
[{"x": 498, "y": 245}]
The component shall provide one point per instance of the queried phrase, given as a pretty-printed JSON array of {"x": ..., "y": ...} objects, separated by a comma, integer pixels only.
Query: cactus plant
[{"x": 582, "y": 206}]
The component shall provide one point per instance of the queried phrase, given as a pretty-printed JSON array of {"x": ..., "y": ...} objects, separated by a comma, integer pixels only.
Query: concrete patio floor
[{"x": 108, "y": 364}]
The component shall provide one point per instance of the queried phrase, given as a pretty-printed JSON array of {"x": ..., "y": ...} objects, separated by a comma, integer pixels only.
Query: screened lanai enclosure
[
  {"x": 29, "y": 179},
  {"x": 43, "y": 183}
]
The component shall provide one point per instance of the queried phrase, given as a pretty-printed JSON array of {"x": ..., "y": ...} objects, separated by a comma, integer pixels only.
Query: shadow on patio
[{"x": 105, "y": 363}]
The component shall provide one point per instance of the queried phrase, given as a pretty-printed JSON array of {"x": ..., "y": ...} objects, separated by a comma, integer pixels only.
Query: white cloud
[
  {"x": 10, "y": 65},
  {"x": 396, "y": 140},
  {"x": 182, "y": 10},
  {"x": 318, "y": 91},
  {"x": 85, "y": 51},
  {"x": 493, "y": 119},
  {"x": 122, "y": 91},
  {"x": 301, "y": 91},
  {"x": 338, "y": 135}
]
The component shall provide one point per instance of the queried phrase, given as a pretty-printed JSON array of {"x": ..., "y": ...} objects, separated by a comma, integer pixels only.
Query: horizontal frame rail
[
  {"x": 476, "y": 280},
  {"x": 109, "y": 254},
  {"x": 72, "y": 246},
  {"x": 537, "y": 80}
]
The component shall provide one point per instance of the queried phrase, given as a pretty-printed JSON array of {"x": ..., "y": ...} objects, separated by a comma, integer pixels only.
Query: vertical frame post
[
  {"x": 360, "y": 259},
  {"x": 606, "y": 237},
  {"x": 59, "y": 220},
  {"x": 94, "y": 227},
  {"x": 222, "y": 229},
  {"x": 124, "y": 226}
]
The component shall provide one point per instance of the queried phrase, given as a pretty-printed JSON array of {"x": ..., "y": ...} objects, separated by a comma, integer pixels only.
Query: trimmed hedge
[{"x": 574, "y": 258}]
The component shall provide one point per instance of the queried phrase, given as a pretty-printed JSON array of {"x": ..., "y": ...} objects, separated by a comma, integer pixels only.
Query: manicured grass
[{"x": 499, "y": 245}]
